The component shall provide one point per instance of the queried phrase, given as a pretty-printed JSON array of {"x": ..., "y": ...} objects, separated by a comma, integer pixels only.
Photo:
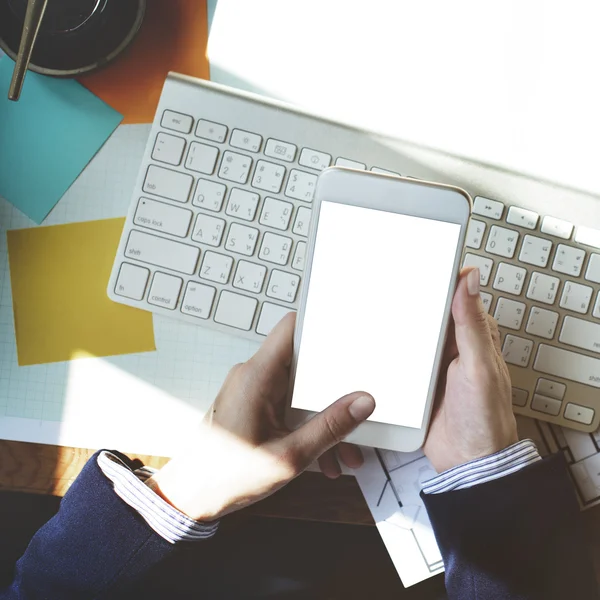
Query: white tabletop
[{"x": 510, "y": 83}]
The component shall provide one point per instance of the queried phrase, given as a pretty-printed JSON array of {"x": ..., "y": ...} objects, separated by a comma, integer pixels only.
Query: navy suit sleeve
[
  {"x": 517, "y": 537},
  {"x": 94, "y": 547}
]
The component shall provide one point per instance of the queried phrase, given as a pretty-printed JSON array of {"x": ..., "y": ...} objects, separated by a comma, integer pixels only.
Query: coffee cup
[{"x": 75, "y": 36}]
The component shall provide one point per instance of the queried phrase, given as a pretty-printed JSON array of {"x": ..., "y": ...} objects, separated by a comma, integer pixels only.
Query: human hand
[
  {"x": 244, "y": 452},
  {"x": 473, "y": 416}
]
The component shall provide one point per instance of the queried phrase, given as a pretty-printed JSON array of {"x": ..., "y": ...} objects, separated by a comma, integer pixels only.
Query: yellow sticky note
[{"x": 58, "y": 276}]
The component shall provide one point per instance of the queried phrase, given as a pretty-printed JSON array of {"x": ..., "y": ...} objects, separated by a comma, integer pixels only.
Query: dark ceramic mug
[{"x": 75, "y": 36}]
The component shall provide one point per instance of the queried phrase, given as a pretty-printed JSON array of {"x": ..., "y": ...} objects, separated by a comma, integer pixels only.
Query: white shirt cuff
[
  {"x": 171, "y": 524},
  {"x": 481, "y": 470}
]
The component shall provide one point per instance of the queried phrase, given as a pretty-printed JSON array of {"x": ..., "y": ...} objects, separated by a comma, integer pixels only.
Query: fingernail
[
  {"x": 362, "y": 407},
  {"x": 473, "y": 281}
]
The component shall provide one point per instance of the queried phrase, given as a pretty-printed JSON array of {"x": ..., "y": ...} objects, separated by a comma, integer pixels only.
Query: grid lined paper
[{"x": 190, "y": 363}]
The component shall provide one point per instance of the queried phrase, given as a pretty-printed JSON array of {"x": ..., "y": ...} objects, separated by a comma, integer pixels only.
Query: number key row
[{"x": 501, "y": 241}]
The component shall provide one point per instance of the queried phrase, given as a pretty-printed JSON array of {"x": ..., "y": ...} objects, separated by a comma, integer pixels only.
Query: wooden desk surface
[{"x": 43, "y": 469}]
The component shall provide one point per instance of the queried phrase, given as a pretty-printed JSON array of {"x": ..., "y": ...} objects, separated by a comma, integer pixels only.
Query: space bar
[{"x": 570, "y": 365}]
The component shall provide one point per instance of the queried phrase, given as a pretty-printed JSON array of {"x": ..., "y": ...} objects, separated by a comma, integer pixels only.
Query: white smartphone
[{"x": 382, "y": 263}]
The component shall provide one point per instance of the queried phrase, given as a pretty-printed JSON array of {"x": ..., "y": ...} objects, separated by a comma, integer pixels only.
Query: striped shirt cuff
[
  {"x": 171, "y": 524},
  {"x": 481, "y": 470}
]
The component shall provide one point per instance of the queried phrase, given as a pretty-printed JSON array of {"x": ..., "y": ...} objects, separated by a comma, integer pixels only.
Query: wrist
[
  {"x": 176, "y": 490},
  {"x": 466, "y": 451}
]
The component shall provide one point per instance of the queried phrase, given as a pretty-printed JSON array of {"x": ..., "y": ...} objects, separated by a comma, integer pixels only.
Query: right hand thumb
[{"x": 472, "y": 330}]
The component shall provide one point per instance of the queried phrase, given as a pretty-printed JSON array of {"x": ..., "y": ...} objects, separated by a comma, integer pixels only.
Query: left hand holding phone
[{"x": 244, "y": 452}]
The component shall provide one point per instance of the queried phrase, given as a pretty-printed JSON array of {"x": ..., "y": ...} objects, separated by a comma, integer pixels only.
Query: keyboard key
[
  {"x": 302, "y": 221},
  {"x": 509, "y": 278},
  {"x": 168, "y": 184},
  {"x": 580, "y": 333},
  {"x": 201, "y": 158},
  {"x": 176, "y": 121},
  {"x": 535, "y": 251},
  {"x": 588, "y": 236},
  {"x": 576, "y": 297},
  {"x": 268, "y": 176},
  {"x": 502, "y": 241},
  {"x": 281, "y": 150},
  {"x": 244, "y": 140},
  {"x": 475, "y": 233},
  {"x": 350, "y": 164},
  {"x": 551, "y": 389},
  {"x": 131, "y": 282},
  {"x": 593, "y": 269},
  {"x": 198, "y": 300},
  {"x": 249, "y": 276},
  {"x": 543, "y": 288},
  {"x": 384, "y": 171},
  {"x": 276, "y": 213},
  {"x": 165, "y": 290},
  {"x": 542, "y": 322},
  {"x": 211, "y": 131},
  {"x": 162, "y": 252},
  {"x": 485, "y": 266},
  {"x": 568, "y": 365},
  {"x": 509, "y": 313},
  {"x": 299, "y": 256},
  {"x": 522, "y": 217},
  {"x": 556, "y": 227},
  {"x": 242, "y": 239},
  {"x": 587, "y": 474},
  {"x": 208, "y": 230},
  {"x": 519, "y": 397},
  {"x": 235, "y": 167},
  {"x": 242, "y": 204},
  {"x": 579, "y": 414},
  {"x": 236, "y": 310},
  {"x": 596, "y": 312},
  {"x": 168, "y": 148},
  {"x": 543, "y": 404},
  {"x": 216, "y": 267},
  {"x": 568, "y": 260},
  {"x": 270, "y": 315},
  {"x": 486, "y": 300},
  {"x": 209, "y": 195},
  {"x": 283, "y": 286},
  {"x": 301, "y": 185},
  {"x": 488, "y": 208},
  {"x": 517, "y": 350},
  {"x": 314, "y": 159},
  {"x": 164, "y": 217},
  {"x": 275, "y": 248}
]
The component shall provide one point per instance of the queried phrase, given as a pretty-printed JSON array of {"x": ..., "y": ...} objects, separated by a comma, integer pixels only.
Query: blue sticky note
[{"x": 47, "y": 138}]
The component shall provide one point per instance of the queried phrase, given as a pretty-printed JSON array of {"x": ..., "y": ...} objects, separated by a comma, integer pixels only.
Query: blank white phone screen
[{"x": 374, "y": 311}]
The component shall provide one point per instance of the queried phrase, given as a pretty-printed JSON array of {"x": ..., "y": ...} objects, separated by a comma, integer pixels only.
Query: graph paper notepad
[{"x": 159, "y": 396}]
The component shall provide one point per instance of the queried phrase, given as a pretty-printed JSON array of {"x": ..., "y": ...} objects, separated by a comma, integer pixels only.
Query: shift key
[
  {"x": 161, "y": 252},
  {"x": 569, "y": 365}
]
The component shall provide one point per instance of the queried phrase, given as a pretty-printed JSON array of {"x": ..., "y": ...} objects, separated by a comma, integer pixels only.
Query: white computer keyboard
[{"x": 216, "y": 236}]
